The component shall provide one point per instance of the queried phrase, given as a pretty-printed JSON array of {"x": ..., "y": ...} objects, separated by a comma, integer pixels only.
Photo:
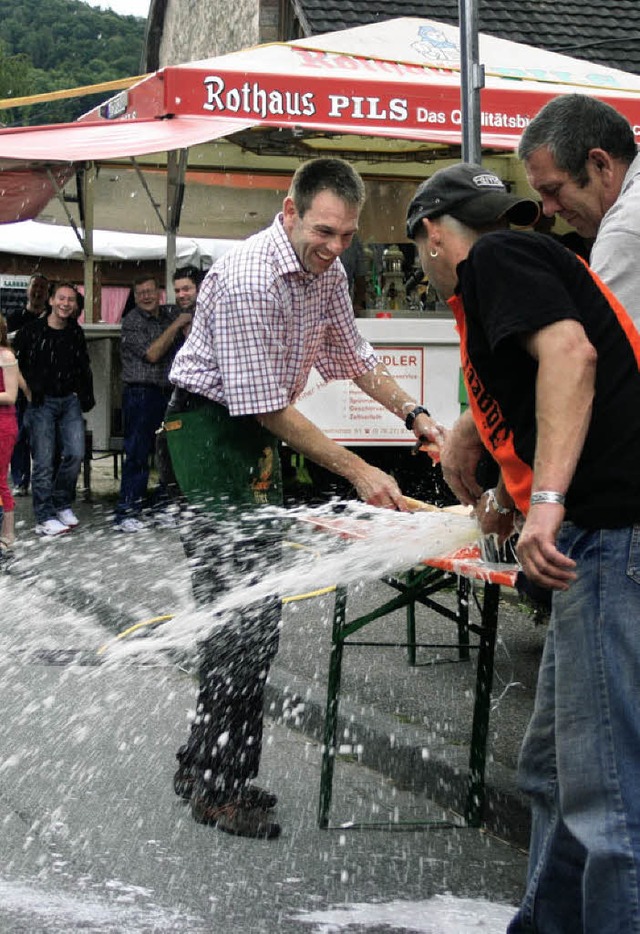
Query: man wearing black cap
[{"x": 551, "y": 363}]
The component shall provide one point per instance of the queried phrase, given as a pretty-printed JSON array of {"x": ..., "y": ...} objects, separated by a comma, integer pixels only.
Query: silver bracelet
[
  {"x": 495, "y": 505},
  {"x": 547, "y": 496}
]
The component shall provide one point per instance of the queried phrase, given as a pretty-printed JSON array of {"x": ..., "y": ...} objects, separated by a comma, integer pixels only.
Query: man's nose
[
  {"x": 336, "y": 245},
  {"x": 550, "y": 206}
]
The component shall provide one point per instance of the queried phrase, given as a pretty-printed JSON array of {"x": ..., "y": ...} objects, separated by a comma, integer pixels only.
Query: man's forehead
[{"x": 541, "y": 168}]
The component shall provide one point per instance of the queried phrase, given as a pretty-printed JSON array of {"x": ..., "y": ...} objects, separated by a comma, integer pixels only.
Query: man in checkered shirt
[{"x": 271, "y": 309}]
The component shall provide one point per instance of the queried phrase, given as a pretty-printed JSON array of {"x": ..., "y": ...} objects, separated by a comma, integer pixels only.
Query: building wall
[{"x": 196, "y": 29}]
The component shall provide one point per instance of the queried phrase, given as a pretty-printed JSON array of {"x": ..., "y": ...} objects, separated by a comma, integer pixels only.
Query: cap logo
[{"x": 487, "y": 181}]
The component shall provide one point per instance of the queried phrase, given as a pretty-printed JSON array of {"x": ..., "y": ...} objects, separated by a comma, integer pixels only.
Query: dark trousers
[
  {"x": 142, "y": 410},
  {"x": 229, "y": 546}
]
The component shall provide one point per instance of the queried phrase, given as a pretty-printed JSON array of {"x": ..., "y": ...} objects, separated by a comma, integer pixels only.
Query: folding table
[{"x": 418, "y": 586}]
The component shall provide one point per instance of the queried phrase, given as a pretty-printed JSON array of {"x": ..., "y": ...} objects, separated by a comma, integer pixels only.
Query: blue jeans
[
  {"x": 580, "y": 760},
  {"x": 143, "y": 409},
  {"x": 55, "y": 428}
]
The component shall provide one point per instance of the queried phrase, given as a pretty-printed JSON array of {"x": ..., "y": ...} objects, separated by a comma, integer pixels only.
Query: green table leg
[
  {"x": 331, "y": 716},
  {"x": 480, "y": 729}
]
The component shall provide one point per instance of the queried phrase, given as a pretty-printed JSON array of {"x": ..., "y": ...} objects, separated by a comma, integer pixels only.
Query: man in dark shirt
[
  {"x": 551, "y": 363},
  {"x": 37, "y": 291},
  {"x": 151, "y": 335},
  {"x": 54, "y": 361}
]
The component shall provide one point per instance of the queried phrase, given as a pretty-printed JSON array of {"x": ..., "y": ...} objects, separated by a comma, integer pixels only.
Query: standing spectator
[
  {"x": 36, "y": 305},
  {"x": 8, "y": 434},
  {"x": 551, "y": 362},
  {"x": 53, "y": 357},
  {"x": 268, "y": 311},
  {"x": 151, "y": 334},
  {"x": 186, "y": 283}
]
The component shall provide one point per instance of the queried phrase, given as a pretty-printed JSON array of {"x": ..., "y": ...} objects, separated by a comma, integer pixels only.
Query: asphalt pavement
[{"x": 93, "y": 834}]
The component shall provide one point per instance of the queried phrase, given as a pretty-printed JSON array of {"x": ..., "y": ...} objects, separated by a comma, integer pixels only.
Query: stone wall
[{"x": 195, "y": 29}]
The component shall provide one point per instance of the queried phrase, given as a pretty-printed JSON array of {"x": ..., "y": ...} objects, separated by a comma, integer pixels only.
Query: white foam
[
  {"x": 442, "y": 914},
  {"x": 394, "y": 541}
]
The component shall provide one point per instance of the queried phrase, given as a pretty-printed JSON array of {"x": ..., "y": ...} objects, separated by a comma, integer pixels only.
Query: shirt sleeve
[{"x": 614, "y": 257}]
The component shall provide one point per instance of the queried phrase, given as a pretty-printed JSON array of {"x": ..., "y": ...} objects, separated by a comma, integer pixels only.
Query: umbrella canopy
[{"x": 399, "y": 79}]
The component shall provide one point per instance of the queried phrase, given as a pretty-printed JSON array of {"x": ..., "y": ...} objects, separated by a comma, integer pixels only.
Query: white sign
[{"x": 350, "y": 416}]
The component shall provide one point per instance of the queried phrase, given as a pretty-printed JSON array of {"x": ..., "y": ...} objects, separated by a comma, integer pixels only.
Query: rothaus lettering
[
  {"x": 251, "y": 99},
  {"x": 497, "y": 428}
]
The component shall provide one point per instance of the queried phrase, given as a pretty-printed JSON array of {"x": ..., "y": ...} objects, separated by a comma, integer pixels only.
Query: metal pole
[{"x": 471, "y": 81}]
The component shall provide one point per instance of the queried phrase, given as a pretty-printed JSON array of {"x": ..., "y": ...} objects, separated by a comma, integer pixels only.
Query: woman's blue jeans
[
  {"x": 580, "y": 760},
  {"x": 56, "y": 437}
]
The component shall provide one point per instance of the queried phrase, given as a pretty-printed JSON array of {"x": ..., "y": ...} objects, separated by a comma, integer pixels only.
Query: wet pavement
[{"x": 93, "y": 837}]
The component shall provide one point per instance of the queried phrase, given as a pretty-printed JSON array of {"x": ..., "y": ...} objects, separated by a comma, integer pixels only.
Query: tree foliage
[{"x": 50, "y": 45}]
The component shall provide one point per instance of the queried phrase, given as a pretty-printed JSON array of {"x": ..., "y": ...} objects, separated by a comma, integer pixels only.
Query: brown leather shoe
[
  {"x": 238, "y": 817},
  {"x": 185, "y": 779}
]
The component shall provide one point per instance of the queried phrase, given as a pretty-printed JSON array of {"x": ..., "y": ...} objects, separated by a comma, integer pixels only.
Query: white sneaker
[
  {"x": 129, "y": 525},
  {"x": 51, "y": 527},
  {"x": 68, "y": 518}
]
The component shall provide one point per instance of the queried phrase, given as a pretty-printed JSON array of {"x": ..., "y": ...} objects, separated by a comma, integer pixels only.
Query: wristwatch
[
  {"x": 496, "y": 506},
  {"x": 413, "y": 414}
]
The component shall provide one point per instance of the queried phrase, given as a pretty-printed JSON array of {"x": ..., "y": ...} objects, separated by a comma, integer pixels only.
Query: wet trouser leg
[{"x": 230, "y": 545}]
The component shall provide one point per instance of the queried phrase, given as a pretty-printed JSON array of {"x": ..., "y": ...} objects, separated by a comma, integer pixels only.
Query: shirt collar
[{"x": 287, "y": 258}]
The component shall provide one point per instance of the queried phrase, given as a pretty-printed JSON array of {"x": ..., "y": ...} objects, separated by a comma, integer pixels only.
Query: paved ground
[
  {"x": 88, "y": 749},
  {"x": 415, "y": 722}
]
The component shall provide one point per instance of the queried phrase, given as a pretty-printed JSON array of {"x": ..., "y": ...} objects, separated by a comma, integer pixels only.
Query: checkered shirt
[
  {"x": 139, "y": 330},
  {"x": 262, "y": 322}
]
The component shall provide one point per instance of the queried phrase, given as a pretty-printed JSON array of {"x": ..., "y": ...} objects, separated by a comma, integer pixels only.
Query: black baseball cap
[{"x": 473, "y": 195}]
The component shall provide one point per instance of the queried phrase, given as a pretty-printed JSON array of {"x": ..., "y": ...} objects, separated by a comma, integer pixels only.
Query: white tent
[{"x": 31, "y": 238}]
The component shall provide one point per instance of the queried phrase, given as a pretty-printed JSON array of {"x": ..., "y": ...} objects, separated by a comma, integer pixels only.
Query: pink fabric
[
  {"x": 113, "y": 300},
  {"x": 8, "y": 435}
]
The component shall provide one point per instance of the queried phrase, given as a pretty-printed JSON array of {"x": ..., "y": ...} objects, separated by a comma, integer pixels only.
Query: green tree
[
  {"x": 52, "y": 45},
  {"x": 16, "y": 77}
]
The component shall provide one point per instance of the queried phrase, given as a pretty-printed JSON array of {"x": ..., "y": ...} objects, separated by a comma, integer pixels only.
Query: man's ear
[
  {"x": 288, "y": 208},
  {"x": 433, "y": 231},
  {"x": 601, "y": 161}
]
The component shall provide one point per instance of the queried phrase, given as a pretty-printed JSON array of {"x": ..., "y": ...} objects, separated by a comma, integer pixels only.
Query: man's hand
[
  {"x": 377, "y": 488},
  {"x": 459, "y": 456},
  {"x": 431, "y": 433},
  {"x": 492, "y": 522},
  {"x": 536, "y": 549}
]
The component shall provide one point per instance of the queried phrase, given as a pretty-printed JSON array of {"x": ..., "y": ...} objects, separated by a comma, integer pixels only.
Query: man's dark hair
[
  {"x": 189, "y": 272},
  {"x": 572, "y": 125},
  {"x": 149, "y": 278},
  {"x": 326, "y": 174}
]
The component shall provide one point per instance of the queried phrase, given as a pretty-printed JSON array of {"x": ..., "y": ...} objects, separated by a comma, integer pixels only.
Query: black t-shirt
[
  {"x": 55, "y": 362},
  {"x": 513, "y": 284}
]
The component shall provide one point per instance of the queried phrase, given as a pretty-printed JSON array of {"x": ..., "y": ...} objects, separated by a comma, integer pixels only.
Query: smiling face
[
  {"x": 581, "y": 207},
  {"x": 147, "y": 296},
  {"x": 64, "y": 305},
  {"x": 186, "y": 292},
  {"x": 325, "y": 231},
  {"x": 37, "y": 294}
]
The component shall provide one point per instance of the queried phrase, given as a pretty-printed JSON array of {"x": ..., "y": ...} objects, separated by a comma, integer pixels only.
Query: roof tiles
[{"x": 606, "y": 34}]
